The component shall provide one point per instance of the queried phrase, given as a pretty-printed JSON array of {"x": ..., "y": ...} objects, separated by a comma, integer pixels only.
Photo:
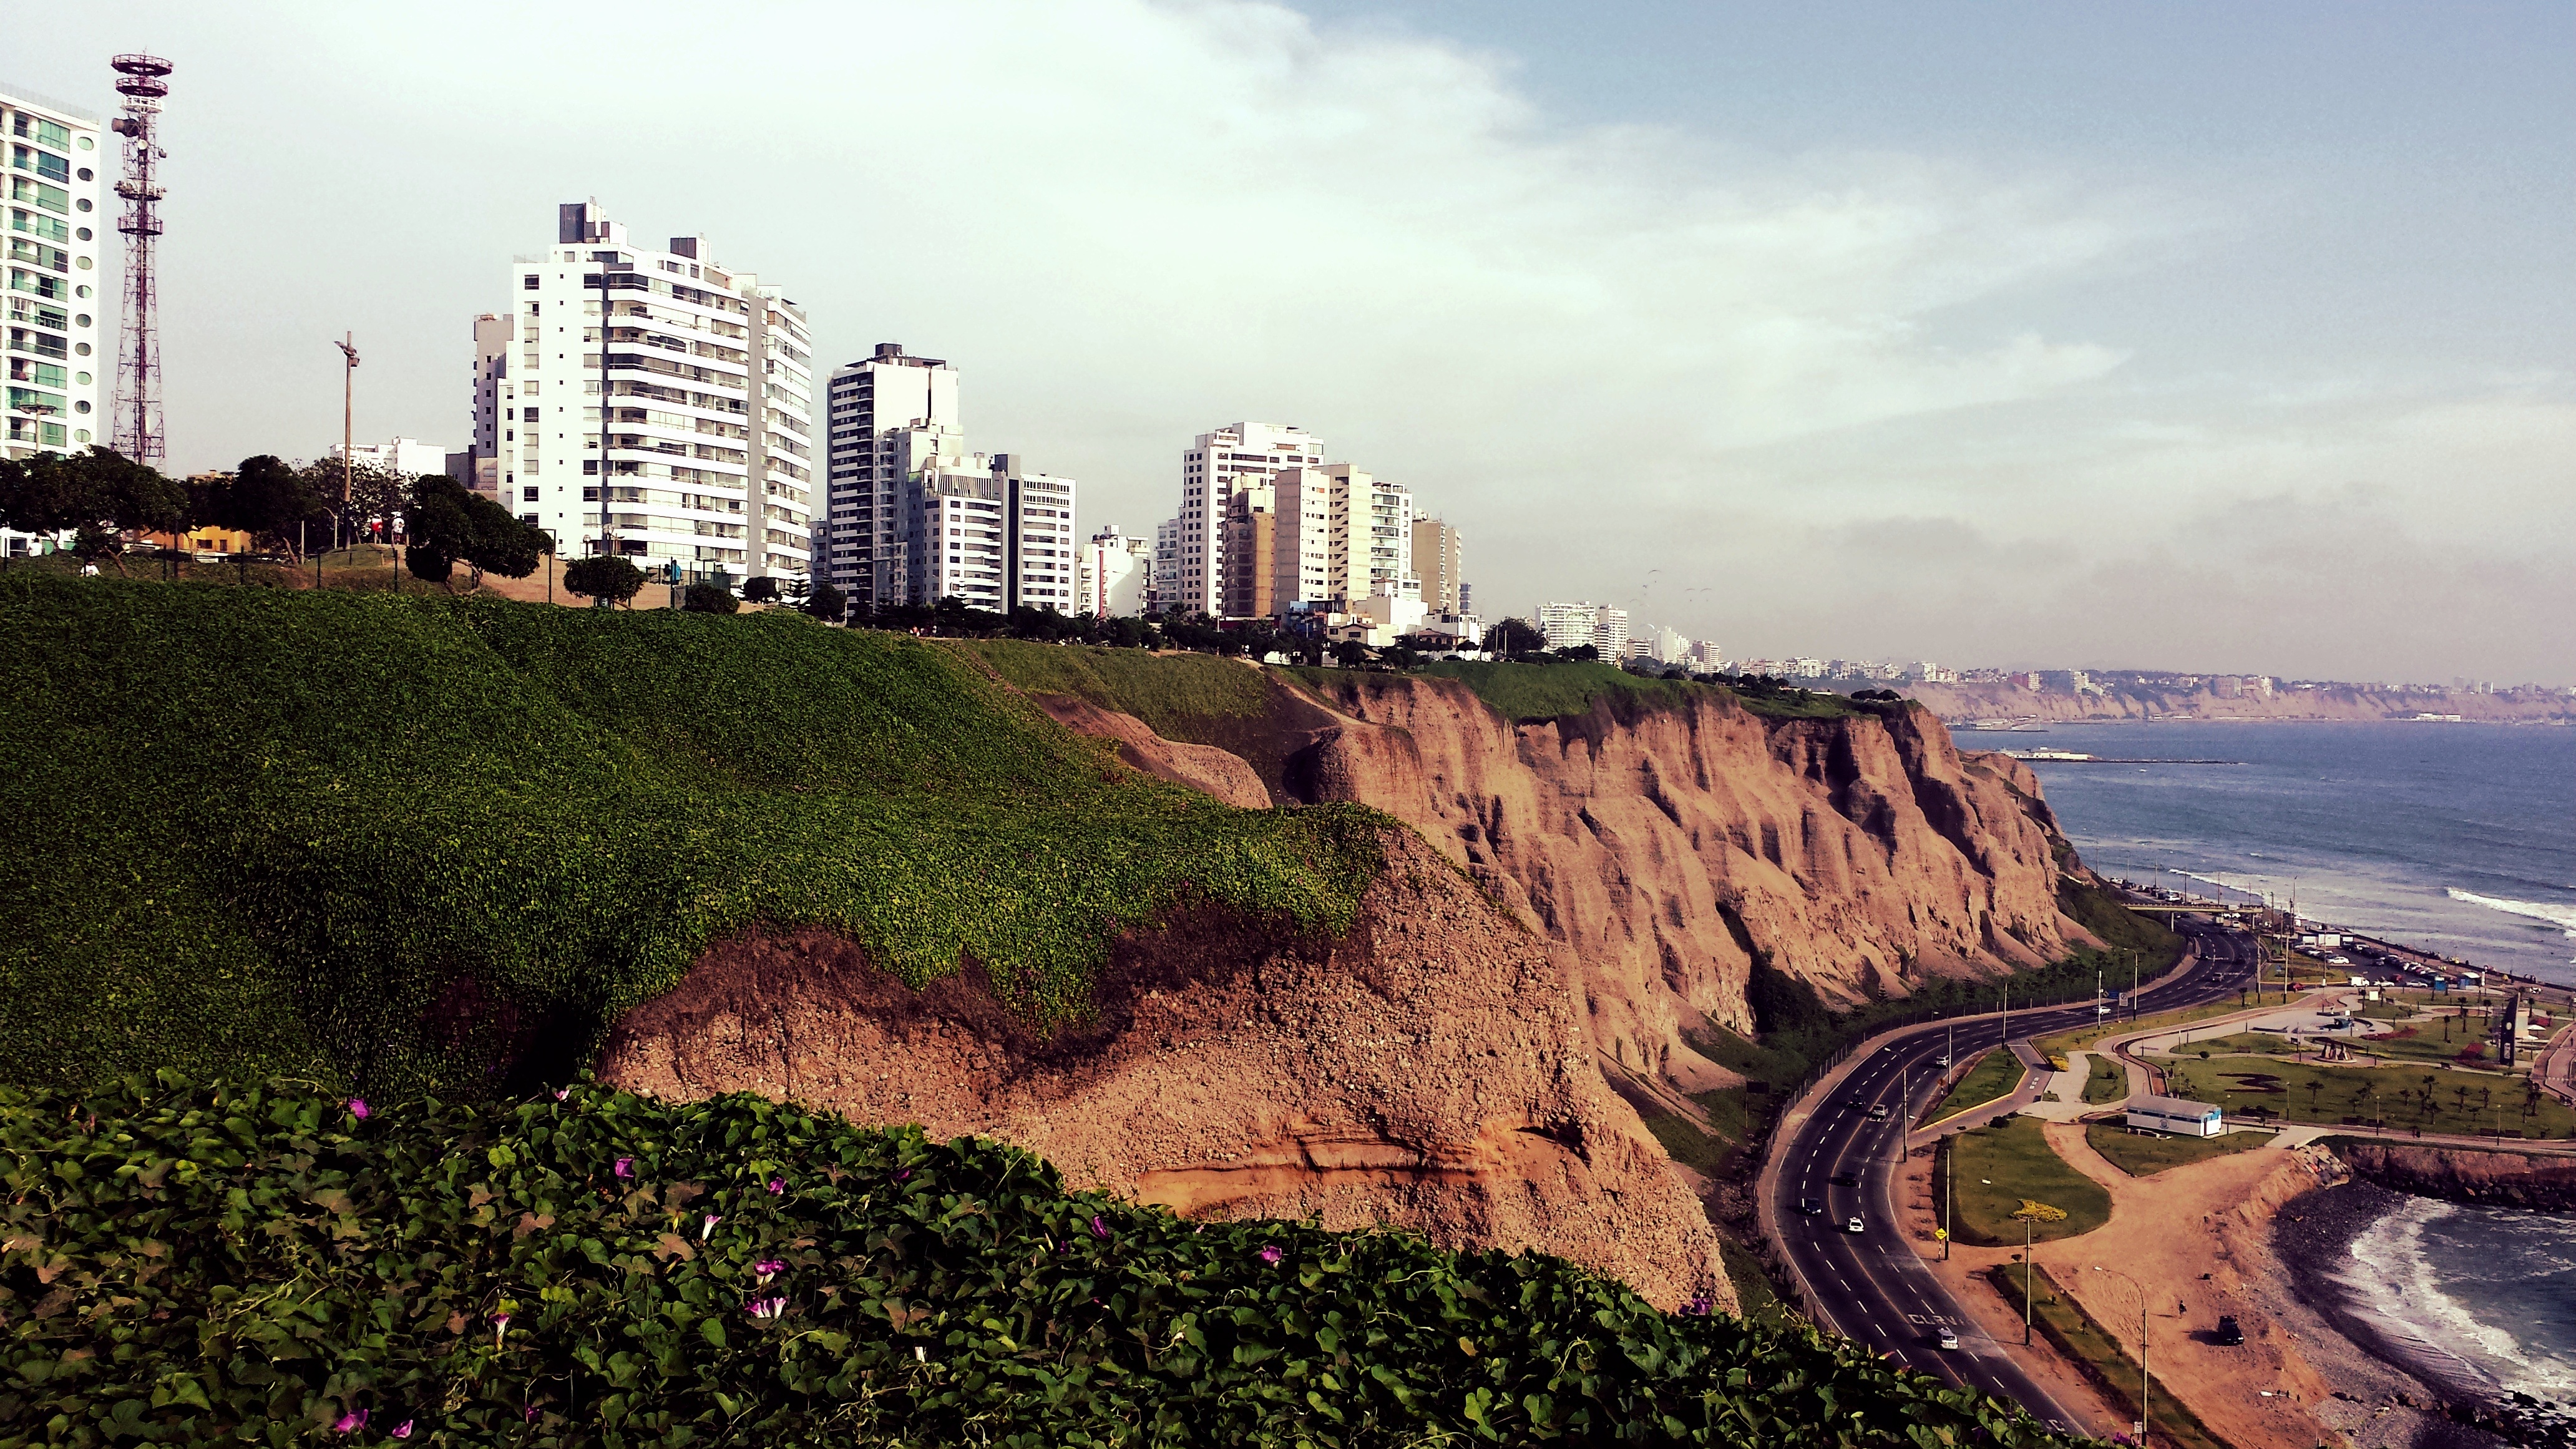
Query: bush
[
  {"x": 710, "y": 599},
  {"x": 826, "y": 602},
  {"x": 762, "y": 590},
  {"x": 603, "y": 576},
  {"x": 248, "y": 1265}
]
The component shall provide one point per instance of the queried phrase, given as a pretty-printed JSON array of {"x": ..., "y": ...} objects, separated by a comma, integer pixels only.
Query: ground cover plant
[
  {"x": 1163, "y": 690},
  {"x": 421, "y": 843},
  {"x": 1990, "y": 1075},
  {"x": 2000, "y": 1167},
  {"x": 2144, "y": 1154},
  {"x": 215, "y": 1265},
  {"x": 2105, "y": 1079}
]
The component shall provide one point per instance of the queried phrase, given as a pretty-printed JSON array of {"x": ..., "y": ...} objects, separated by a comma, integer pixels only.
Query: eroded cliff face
[
  {"x": 1658, "y": 850},
  {"x": 1426, "y": 1070}
]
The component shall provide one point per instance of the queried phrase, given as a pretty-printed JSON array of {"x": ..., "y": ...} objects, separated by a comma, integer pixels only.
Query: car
[
  {"x": 1878, "y": 1113},
  {"x": 1855, "y": 1226},
  {"x": 1853, "y": 1104},
  {"x": 1811, "y": 1207},
  {"x": 1942, "y": 1060},
  {"x": 2228, "y": 1333},
  {"x": 1949, "y": 1338},
  {"x": 1843, "y": 1179}
]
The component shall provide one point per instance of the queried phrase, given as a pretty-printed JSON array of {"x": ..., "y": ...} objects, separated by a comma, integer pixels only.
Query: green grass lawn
[
  {"x": 1991, "y": 1074},
  {"x": 2102, "y": 1356},
  {"x": 2105, "y": 1080},
  {"x": 2001, "y": 1166},
  {"x": 2146, "y": 1154},
  {"x": 2467, "y": 1043},
  {"x": 2431, "y": 1098},
  {"x": 1160, "y": 689},
  {"x": 2058, "y": 1044},
  {"x": 2242, "y": 1043}
]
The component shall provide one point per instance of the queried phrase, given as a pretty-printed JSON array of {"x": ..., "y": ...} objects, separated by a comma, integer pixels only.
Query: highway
[{"x": 1870, "y": 1285}]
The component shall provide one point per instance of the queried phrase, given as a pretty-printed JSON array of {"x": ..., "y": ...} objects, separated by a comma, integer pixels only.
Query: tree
[
  {"x": 100, "y": 494},
  {"x": 1513, "y": 638},
  {"x": 825, "y": 602},
  {"x": 269, "y": 501},
  {"x": 1350, "y": 653},
  {"x": 603, "y": 576},
  {"x": 762, "y": 590},
  {"x": 375, "y": 495},
  {"x": 450, "y": 524},
  {"x": 709, "y": 599}
]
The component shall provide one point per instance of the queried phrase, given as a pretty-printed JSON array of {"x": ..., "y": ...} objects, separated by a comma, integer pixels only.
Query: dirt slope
[
  {"x": 1658, "y": 851},
  {"x": 1427, "y": 1070}
]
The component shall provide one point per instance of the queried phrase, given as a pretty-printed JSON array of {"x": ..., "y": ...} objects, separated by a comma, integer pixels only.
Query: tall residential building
[
  {"x": 984, "y": 531},
  {"x": 1599, "y": 625},
  {"x": 1251, "y": 568},
  {"x": 1214, "y": 465},
  {"x": 1439, "y": 560},
  {"x": 1117, "y": 577},
  {"x": 61, "y": 339},
  {"x": 1163, "y": 594},
  {"x": 707, "y": 377},
  {"x": 1371, "y": 540},
  {"x": 870, "y": 400},
  {"x": 1302, "y": 557},
  {"x": 479, "y": 467}
]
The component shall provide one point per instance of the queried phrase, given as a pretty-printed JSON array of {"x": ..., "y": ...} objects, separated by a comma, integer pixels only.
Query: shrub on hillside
[
  {"x": 603, "y": 576},
  {"x": 710, "y": 599},
  {"x": 259, "y": 1265}
]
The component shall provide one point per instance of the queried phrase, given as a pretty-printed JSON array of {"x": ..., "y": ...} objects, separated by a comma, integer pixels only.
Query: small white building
[
  {"x": 409, "y": 457},
  {"x": 2175, "y": 1116},
  {"x": 1117, "y": 572}
]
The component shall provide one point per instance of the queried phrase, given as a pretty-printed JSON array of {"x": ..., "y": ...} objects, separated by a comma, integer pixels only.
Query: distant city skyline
[{"x": 2095, "y": 338}]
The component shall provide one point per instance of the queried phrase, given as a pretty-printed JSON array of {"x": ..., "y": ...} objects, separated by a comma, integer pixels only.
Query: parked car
[
  {"x": 2228, "y": 1332},
  {"x": 1854, "y": 1226}
]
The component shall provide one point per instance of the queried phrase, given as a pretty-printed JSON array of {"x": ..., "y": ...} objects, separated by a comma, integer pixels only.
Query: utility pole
[
  {"x": 1949, "y": 1194},
  {"x": 348, "y": 423},
  {"x": 1904, "y": 1105}
]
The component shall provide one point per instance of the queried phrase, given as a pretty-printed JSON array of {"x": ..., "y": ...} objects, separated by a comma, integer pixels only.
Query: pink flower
[
  {"x": 358, "y": 1108},
  {"x": 351, "y": 1422},
  {"x": 1270, "y": 1255},
  {"x": 709, "y": 1226},
  {"x": 403, "y": 1429},
  {"x": 562, "y": 1092},
  {"x": 768, "y": 1268},
  {"x": 1099, "y": 1229},
  {"x": 778, "y": 1184},
  {"x": 900, "y": 1176},
  {"x": 500, "y": 1328},
  {"x": 625, "y": 1167},
  {"x": 765, "y": 1307},
  {"x": 529, "y": 1413}
]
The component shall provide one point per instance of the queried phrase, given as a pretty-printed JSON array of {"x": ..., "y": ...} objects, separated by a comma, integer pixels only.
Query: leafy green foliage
[
  {"x": 97, "y": 492},
  {"x": 421, "y": 843},
  {"x": 255, "y": 1265},
  {"x": 603, "y": 576},
  {"x": 450, "y": 524},
  {"x": 709, "y": 599},
  {"x": 268, "y": 499},
  {"x": 2099, "y": 910},
  {"x": 1162, "y": 690}
]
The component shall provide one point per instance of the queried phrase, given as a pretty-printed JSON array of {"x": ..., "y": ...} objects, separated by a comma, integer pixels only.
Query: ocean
[
  {"x": 2459, "y": 839},
  {"x": 2484, "y": 1296}
]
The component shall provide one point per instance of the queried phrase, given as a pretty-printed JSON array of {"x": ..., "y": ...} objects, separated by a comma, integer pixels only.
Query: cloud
[{"x": 1598, "y": 348}]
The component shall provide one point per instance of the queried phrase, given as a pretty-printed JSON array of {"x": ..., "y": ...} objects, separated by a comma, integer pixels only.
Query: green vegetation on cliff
[
  {"x": 419, "y": 843},
  {"x": 258, "y": 1266}
]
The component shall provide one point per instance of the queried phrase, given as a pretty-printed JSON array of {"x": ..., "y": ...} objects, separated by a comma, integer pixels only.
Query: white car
[
  {"x": 1853, "y": 1226},
  {"x": 1949, "y": 1338}
]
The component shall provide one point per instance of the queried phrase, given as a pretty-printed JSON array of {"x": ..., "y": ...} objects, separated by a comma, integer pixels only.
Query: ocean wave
[
  {"x": 2394, "y": 1281},
  {"x": 2419, "y": 1270},
  {"x": 2563, "y": 917}
]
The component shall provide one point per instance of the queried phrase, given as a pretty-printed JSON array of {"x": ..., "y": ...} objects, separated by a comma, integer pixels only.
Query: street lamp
[
  {"x": 2031, "y": 1213},
  {"x": 2142, "y": 1346}
]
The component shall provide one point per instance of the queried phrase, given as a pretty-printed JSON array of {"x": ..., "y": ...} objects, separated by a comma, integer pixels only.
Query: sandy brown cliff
[
  {"x": 1425, "y": 1070},
  {"x": 1658, "y": 850}
]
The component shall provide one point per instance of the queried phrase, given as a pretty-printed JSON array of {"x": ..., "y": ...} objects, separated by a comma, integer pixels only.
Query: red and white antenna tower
[{"x": 141, "y": 79}]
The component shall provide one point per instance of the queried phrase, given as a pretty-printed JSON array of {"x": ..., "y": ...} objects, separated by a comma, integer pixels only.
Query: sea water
[
  {"x": 2455, "y": 838},
  {"x": 2481, "y": 1297}
]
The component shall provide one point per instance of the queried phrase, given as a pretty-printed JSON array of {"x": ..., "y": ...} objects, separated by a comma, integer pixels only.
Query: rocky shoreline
[{"x": 2389, "y": 1389}]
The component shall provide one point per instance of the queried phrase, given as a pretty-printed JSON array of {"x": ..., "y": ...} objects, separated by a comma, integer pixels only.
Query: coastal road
[{"x": 1841, "y": 1160}]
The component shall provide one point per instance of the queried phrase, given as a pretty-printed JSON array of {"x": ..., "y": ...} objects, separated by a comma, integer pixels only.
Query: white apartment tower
[
  {"x": 1215, "y": 464},
  {"x": 706, "y": 378},
  {"x": 1599, "y": 625},
  {"x": 984, "y": 531},
  {"x": 1371, "y": 538},
  {"x": 870, "y": 401},
  {"x": 61, "y": 340},
  {"x": 1117, "y": 575}
]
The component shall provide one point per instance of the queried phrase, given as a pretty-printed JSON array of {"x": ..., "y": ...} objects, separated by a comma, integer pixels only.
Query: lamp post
[
  {"x": 1949, "y": 1193},
  {"x": 2142, "y": 1347},
  {"x": 2031, "y": 1213}
]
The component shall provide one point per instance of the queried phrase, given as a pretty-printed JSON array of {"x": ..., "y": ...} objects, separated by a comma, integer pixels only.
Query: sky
[{"x": 2193, "y": 336}]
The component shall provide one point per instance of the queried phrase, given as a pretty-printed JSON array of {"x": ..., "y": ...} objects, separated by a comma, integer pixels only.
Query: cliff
[
  {"x": 1660, "y": 848},
  {"x": 2333, "y": 702},
  {"x": 1425, "y": 1069},
  {"x": 2465, "y": 1174}
]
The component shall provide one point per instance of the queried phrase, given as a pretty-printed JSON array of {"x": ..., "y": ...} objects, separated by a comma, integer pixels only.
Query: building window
[
  {"x": 528, "y": 494},
  {"x": 528, "y": 282}
]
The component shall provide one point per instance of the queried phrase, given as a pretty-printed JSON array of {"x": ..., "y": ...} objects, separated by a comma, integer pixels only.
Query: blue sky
[{"x": 2196, "y": 336}]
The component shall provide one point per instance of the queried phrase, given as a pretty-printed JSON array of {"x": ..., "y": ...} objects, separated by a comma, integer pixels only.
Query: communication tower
[{"x": 143, "y": 81}]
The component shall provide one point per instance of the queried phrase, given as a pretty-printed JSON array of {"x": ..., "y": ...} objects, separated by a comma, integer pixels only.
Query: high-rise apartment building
[
  {"x": 1117, "y": 576},
  {"x": 984, "y": 531},
  {"x": 1251, "y": 567},
  {"x": 1215, "y": 464},
  {"x": 1568, "y": 625},
  {"x": 705, "y": 375},
  {"x": 870, "y": 400},
  {"x": 1371, "y": 538},
  {"x": 1439, "y": 560},
  {"x": 479, "y": 467},
  {"x": 61, "y": 340},
  {"x": 1302, "y": 557}
]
